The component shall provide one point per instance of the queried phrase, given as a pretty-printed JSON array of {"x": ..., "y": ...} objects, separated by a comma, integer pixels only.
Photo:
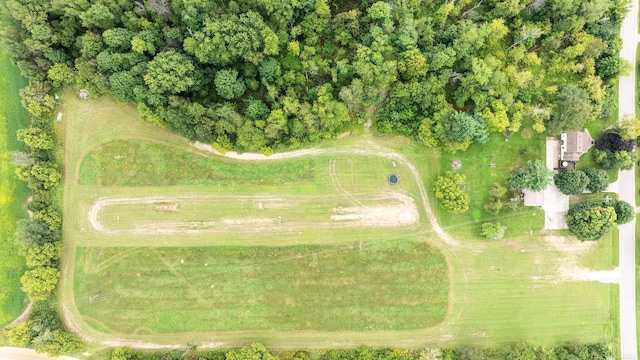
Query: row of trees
[
  {"x": 261, "y": 74},
  {"x": 573, "y": 182},
  {"x": 520, "y": 351},
  {"x": 40, "y": 235}
]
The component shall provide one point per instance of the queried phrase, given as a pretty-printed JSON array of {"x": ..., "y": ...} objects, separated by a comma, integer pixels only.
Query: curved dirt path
[
  {"x": 21, "y": 318},
  {"x": 372, "y": 150}
]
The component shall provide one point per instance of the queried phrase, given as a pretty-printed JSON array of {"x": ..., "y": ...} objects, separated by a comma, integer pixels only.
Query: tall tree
[
  {"x": 573, "y": 109},
  {"x": 572, "y": 182},
  {"x": 170, "y": 72},
  {"x": 598, "y": 179},
  {"x": 591, "y": 221},
  {"x": 228, "y": 85},
  {"x": 535, "y": 176},
  {"x": 39, "y": 283}
]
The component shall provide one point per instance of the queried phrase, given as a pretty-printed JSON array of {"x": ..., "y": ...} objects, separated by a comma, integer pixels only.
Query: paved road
[
  {"x": 626, "y": 186},
  {"x": 13, "y": 353}
]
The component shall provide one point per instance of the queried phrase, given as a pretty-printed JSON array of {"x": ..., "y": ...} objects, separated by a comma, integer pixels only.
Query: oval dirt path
[{"x": 372, "y": 149}]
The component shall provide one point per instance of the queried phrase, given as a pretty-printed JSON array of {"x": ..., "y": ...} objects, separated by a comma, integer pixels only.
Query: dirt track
[
  {"x": 372, "y": 150},
  {"x": 401, "y": 212}
]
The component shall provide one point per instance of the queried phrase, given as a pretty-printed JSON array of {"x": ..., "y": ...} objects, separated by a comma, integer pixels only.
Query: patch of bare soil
[
  {"x": 571, "y": 249},
  {"x": 165, "y": 207},
  {"x": 391, "y": 215},
  {"x": 272, "y": 203}
]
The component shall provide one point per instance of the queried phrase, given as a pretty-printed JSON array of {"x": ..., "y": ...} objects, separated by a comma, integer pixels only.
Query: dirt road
[{"x": 13, "y": 353}]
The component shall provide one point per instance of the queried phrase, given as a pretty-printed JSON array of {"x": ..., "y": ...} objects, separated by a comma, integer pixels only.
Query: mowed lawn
[
  {"x": 484, "y": 165},
  {"x": 392, "y": 285},
  {"x": 13, "y": 193}
]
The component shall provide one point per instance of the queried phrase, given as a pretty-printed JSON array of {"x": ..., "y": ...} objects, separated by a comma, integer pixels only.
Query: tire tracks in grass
[{"x": 448, "y": 245}]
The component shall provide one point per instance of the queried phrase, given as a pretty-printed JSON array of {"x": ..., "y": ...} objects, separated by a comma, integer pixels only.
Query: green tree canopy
[
  {"x": 608, "y": 159},
  {"x": 170, "y": 72},
  {"x": 228, "y": 85},
  {"x": 536, "y": 177},
  {"x": 571, "y": 182},
  {"x": 36, "y": 138},
  {"x": 624, "y": 211},
  {"x": 591, "y": 221},
  {"x": 598, "y": 179},
  {"x": 254, "y": 351},
  {"x": 450, "y": 191},
  {"x": 492, "y": 230},
  {"x": 573, "y": 109},
  {"x": 39, "y": 283},
  {"x": 463, "y": 127}
]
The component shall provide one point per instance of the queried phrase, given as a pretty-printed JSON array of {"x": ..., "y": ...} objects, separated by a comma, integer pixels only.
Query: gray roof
[{"x": 574, "y": 144}]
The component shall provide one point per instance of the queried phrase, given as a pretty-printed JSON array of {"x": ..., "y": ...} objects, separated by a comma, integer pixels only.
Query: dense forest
[{"x": 264, "y": 75}]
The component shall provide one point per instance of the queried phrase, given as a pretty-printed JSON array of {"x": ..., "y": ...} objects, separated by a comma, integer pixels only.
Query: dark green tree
[
  {"x": 598, "y": 179},
  {"x": 571, "y": 182},
  {"x": 624, "y": 211},
  {"x": 463, "y": 127}
]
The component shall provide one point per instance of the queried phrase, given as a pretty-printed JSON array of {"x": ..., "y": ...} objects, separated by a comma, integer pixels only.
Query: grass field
[
  {"x": 13, "y": 193},
  {"x": 168, "y": 244},
  {"x": 392, "y": 285}
]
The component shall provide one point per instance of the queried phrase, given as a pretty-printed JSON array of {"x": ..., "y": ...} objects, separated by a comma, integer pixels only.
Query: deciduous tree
[
  {"x": 228, "y": 85},
  {"x": 535, "y": 176},
  {"x": 591, "y": 221},
  {"x": 572, "y": 182},
  {"x": 39, "y": 283},
  {"x": 598, "y": 179},
  {"x": 492, "y": 230},
  {"x": 450, "y": 191},
  {"x": 624, "y": 211},
  {"x": 170, "y": 72},
  {"x": 573, "y": 109},
  {"x": 36, "y": 138}
]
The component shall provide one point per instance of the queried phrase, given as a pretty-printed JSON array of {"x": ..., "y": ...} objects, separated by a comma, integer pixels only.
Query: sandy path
[
  {"x": 14, "y": 353},
  {"x": 401, "y": 213}
]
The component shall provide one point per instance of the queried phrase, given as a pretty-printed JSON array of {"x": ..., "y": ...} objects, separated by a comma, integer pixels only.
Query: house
[
  {"x": 533, "y": 198},
  {"x": 574, "y": 144}
]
